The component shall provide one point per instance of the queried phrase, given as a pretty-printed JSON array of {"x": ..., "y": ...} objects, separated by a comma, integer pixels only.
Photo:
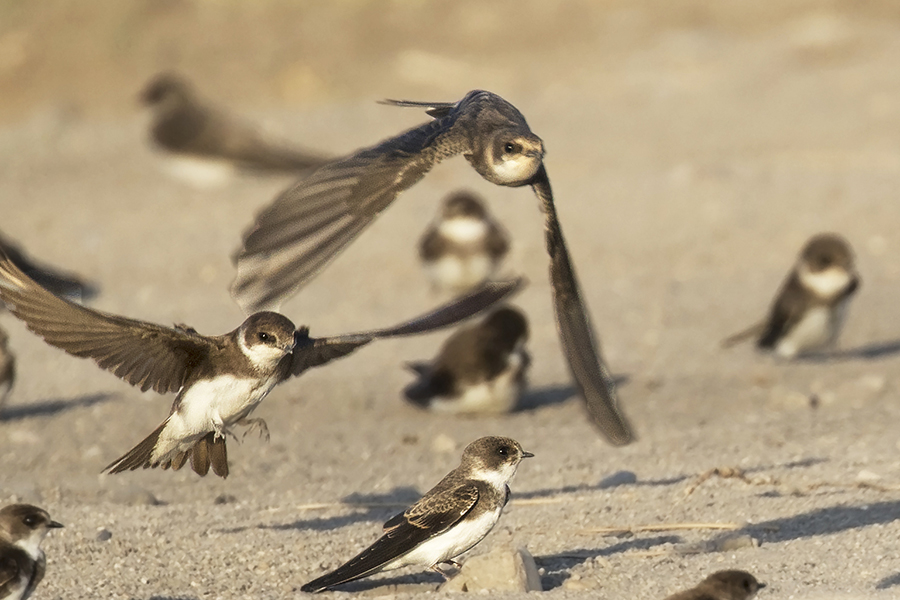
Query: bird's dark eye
[
  {"x": 30, "y": 521},
  {"x": 263, "y": 336},
  {"x": 503, "y": 451},
  {"x": 509, "y": 148}
]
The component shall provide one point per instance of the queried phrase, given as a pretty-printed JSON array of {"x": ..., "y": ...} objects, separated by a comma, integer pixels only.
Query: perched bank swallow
[
  {"x": 480, "y": 368},
  {"x": 206, "y": 144},
  {"x": 7, "y": 367},
  {"x": 220, "y": 380},
  {"x": 464, "y": 246},
  {"x": 309, "y": 224},
  {"x": 722, "y": 585},
  {"x": 22, "y": 562},
  {"x": 450, "y": 519},
  {"x": 810, "y": 307}
]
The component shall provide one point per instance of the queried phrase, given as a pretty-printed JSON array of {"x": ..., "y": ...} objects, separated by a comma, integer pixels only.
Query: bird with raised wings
[
  {"x": 309, "y": 224},
  {"x": 219, "y": 380}
]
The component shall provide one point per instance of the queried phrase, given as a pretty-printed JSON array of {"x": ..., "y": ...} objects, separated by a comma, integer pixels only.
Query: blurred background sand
[{"x": 693, "y": 148}]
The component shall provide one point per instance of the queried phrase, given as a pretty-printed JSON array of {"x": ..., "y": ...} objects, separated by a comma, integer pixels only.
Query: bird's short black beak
[
  {"x": 527, "y": 454},
  {"x": 55, "y": 525},
  {"x": 760, "y": 585}
]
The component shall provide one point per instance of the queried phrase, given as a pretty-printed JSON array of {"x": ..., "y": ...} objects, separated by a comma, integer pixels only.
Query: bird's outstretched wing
[
  {"x": 310, "y": 223},
  {"x": 427, "y": 518},
  {"x": 311, "y": 352},
  {"x": 575, "y": 331},
  {"x": 143, "y": 354},
  {"x": 58, "y": 282}
]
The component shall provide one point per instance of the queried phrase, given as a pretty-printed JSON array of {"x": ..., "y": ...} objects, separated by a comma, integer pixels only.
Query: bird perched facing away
[
  {"x": 480, "y": 368},
  {"x": 309, "y": 224},
  {"x": 206, "y": 144},
  {"x": 219, "y": 380},
  {"x": 450, "y": 519},
  {"x": 809, "y": 310},
  {"x": 464, "y": 246},
  {"x": 22, "y": 562},
  {"x": 722, "y": 585}
]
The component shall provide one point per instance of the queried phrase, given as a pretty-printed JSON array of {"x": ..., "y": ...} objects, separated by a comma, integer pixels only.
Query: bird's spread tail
[{"x": 208, "y": 451}]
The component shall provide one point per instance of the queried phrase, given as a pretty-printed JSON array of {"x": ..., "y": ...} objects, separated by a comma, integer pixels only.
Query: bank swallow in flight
[
  {"x": 450, "y": 519},
  {"x": 219, "y": 380},
  {"x": 808, "y": 313},
  {"x": 22, "y": 562},
  {"x": 310, "y": 223}
]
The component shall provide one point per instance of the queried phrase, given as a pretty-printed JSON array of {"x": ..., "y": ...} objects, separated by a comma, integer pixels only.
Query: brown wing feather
[
  {"x": 309, "y": 224},
  {"x": 311, "y": 352},
  {"x": 575, "y": 331},
  {"x": 9, "y": 575},
  {"x": 143, "y": 354}
]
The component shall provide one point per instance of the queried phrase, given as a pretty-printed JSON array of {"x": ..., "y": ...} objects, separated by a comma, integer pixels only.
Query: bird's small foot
[{"x": 255, "y": 424}]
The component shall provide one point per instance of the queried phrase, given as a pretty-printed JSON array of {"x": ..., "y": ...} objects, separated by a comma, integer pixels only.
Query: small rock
[
  {"x": 866, "y": 476},
  {"x": 735, "y": 542},
  {"x": 225, "y": 499},
  {"x": 501, "y": 570},
  {"x": 104, "y": 534},
  {"x": 618, "y": 478}
]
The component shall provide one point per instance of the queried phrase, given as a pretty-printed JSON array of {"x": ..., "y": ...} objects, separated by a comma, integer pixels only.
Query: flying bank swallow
[
  {"x": 219, "y": 380},
  {"x": 206, "y": 144},
  {"x": 22, "y": 562},
  {"x": 464, "y": 246},
  {"x": 309, "y": 224},
  {"x": 479, "y": 369},
  {"x": 450, "y": 519},
  {"x": 722, "y": 585},
  {"x": 808, "y": 312}
]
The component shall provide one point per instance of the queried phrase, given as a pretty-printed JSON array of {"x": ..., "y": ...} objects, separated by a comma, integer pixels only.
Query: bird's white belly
[
  {"x": 213, "y": 405},
  {"x": 204, "y": 173},
  {"x": 460, "y": 272},
  {"x": 463, "y": 230},
  {"x": 449, "y": 544},
  {"x": 489, "y": 397},
  {"x": 818, "y": 328}
]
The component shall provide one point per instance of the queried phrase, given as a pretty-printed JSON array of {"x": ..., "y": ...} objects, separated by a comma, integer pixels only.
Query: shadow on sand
[{"x": 51, "y": 407}]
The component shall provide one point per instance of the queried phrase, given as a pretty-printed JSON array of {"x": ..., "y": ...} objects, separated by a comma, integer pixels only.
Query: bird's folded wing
[
  {"x": 311, "y": 352},
  {"x": 143, "y": 354},
  {"x": 9, "y": 574}
]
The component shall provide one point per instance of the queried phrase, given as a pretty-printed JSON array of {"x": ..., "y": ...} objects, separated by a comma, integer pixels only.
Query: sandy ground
[{"x": 692, "y": 153}]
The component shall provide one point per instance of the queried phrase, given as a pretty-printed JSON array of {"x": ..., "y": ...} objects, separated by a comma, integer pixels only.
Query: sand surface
[{"x": 692, "y": 151}]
